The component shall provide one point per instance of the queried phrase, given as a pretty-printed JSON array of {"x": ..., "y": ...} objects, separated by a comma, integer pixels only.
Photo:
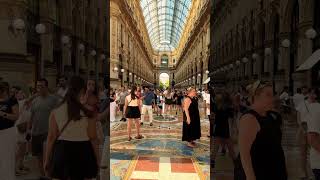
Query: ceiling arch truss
[{"x": 165, "y": 20}]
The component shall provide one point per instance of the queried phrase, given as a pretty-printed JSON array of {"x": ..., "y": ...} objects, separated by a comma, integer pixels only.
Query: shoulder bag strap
[
  {"x": 63, "y": 128},
  {"x": 130, "y": 101}
]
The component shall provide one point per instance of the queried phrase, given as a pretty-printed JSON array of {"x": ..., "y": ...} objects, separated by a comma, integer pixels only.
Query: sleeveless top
[
  {"x": 75, "y": 130},
  {"x": 193, "y": 109},
  {"x": 267, "y": 156},
  {"x": 133, "y": 102}
]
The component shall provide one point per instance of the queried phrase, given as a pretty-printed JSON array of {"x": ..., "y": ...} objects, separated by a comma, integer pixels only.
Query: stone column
[
  {"x": 66, "y": 23},
  {"x": 46, "y": 40},
  {"x": 14, "y": 65}
]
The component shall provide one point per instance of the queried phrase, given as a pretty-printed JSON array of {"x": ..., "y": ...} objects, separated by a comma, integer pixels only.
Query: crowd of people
[
  {"x": 65, "y": 129},
  {"x": 137, "y": 102},
  {"x": 62, "y": 129}
]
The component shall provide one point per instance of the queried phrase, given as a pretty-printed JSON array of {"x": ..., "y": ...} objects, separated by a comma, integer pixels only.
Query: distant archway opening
[{"x": 164, "y": 81}]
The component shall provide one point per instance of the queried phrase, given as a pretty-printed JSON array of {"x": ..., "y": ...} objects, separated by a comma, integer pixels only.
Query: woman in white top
[
  {"x": 132, "y": 107},
  {"x": 72, "y": 137}
]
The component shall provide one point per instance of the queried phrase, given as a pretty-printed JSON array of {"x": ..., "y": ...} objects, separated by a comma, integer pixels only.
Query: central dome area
[{"x": 165, "y": 20}]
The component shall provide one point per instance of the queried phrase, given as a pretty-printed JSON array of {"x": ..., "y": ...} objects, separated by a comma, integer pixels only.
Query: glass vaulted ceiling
[{"x": 165, "y": 20}]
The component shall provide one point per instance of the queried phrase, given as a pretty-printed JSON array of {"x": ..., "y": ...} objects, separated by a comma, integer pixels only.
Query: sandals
[
  {"x": 139, "y": 137},
  {"x": 191, "y": 145}
]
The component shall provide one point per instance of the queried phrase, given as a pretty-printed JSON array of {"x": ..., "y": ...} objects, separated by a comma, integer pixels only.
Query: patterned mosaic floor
[{"x": 161, "y": 155}]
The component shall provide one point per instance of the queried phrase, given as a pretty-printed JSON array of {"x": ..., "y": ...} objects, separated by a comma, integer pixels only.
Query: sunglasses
[{"x": 261, "y": 85}]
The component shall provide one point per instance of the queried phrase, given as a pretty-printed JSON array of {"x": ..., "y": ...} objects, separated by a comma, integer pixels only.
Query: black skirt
[
  {"x": 133, "y": 112},
  {"x": 74, "y": 160},
  {"x": 168, "y": 101}
]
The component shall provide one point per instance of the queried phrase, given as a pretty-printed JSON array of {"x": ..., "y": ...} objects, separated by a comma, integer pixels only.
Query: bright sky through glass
[{"x": 165, "y": 20}]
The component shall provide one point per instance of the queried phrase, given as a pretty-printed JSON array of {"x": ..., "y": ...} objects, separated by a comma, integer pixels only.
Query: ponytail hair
[
  {"x": 132, "y": 92},
  {"x": 76, "y": 85}
]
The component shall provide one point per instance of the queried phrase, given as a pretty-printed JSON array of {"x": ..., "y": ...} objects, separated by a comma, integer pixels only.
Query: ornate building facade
[
  {"x": 131, "y": 52},
  {"x": 52, "y": 38},
  {"x": 194, "y": 48},
  {"x": 271, "y": 40},
  {"x": 137, "y": 57}
]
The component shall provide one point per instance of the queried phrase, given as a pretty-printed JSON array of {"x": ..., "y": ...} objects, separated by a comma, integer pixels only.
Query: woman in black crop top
[
  {"x": 261, "y": 153},
  {"x": 8, "y": 116}
]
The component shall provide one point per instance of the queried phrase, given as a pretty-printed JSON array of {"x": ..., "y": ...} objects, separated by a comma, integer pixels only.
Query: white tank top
[
  {"x": 75, "y": 130},
  {"x": 133, "y": 102}
]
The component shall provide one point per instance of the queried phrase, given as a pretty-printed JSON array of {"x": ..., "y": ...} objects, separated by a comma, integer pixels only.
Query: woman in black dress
[
  {"x": 261, "y": 153},
  {"x": 221, "y": 134},
  {"x": 191, "y": 130}
]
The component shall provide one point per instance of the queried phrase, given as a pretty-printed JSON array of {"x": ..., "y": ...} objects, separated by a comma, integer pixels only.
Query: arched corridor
[{"x": 161, "y": 48}]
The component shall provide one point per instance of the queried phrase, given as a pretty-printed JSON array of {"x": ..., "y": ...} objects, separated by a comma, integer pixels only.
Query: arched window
[
  {"x": 164, "y": 60},
  {"x": 174, "y": 61}
]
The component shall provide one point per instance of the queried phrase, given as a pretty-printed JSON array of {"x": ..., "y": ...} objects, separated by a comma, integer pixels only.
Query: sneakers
[{"x": 123, "y": 119}]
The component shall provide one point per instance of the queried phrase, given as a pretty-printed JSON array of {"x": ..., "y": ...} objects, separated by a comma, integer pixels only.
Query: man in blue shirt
[{"x": 147, "y": 98}]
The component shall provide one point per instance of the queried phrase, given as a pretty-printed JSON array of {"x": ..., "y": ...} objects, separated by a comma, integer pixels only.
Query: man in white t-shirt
[
  {"x": 206, "y": 98},
  {"x": 62, "y": 91},
  {"x": 298, "y": 98},
  {"x": 303, "y": 110},
  {"x": 314, "y": 134}
]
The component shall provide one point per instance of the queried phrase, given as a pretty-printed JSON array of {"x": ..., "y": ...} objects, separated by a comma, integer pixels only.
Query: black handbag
[{"x": 54, "y": 149}]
